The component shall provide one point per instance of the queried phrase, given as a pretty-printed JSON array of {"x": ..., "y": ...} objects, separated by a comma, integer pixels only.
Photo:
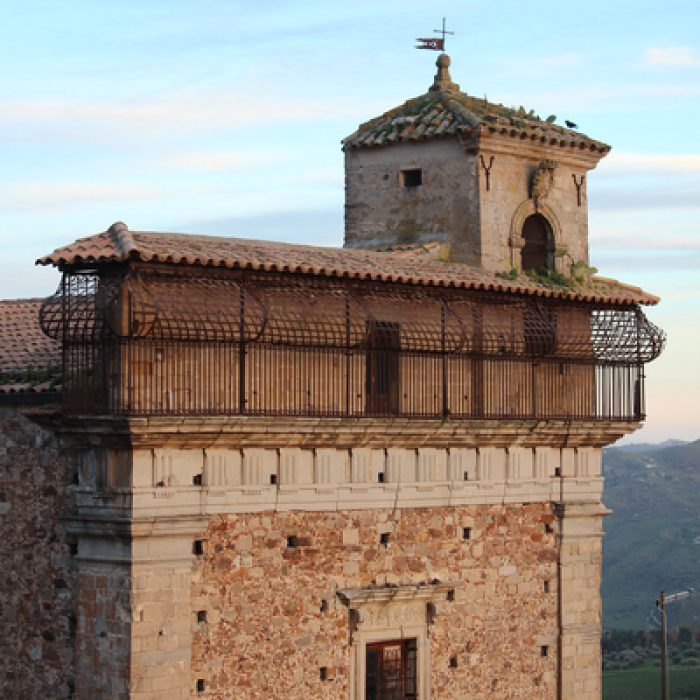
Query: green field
[{"x": 644, "y": 682}]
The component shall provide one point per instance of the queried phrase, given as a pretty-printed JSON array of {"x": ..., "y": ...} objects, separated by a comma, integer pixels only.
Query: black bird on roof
[{"x": 570, "y": 124}]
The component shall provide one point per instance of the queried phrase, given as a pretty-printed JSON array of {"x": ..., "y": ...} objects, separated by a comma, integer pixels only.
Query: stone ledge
[{"x": 281, "y": 431}]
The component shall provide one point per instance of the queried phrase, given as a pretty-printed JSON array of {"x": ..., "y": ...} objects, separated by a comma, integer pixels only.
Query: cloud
[
  {"x": 659, "y": 196},
  {"x": 672, "y": 57},
  {"x": 216, "y": 161},
  {"x": 641, "y": 263},
  {"x": 312, "y": 226},
  {"x": 35, "y": 196},
  {"x": 653, "y": 163},
  {"x": 604, "y": 97},
  {"x": 679, "y": 244},
  {"x": 183, "y": 113},
  {"x": 683, "y": 295}
]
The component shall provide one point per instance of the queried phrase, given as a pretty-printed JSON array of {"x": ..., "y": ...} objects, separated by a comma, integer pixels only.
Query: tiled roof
[
  {"x": 415, "y": 266},
  {"x": 28, "y": 358},
  {"x": 445, "y": 111}
]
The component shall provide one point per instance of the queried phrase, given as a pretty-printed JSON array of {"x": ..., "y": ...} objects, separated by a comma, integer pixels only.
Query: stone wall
[
  {"x": 267, "y": 616},
  {"x": 103, "y": 644},
  {"x": 507, "y": 203},
  {"x": 379, "y": 211},
  {"x": 481, "y": 221},
  {"x": 37, "y": 623}
]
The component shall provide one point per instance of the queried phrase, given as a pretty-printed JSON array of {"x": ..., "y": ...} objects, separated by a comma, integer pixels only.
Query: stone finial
[{"x": 443, "y": 79}]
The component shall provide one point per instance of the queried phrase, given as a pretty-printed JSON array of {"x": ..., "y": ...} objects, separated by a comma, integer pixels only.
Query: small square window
[
  {"x": 466, "y": 533},
  {"x": 201, "y": 616},
  {"x": 544, "y": 651},
  {"x": 411, "y": 178},
  {"x": 201, "y": 685}
]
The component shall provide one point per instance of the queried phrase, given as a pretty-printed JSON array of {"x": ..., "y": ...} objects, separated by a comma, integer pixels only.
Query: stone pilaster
[
  {"x": 580, "y": 614},
  {"x": 134, "y": 622}
]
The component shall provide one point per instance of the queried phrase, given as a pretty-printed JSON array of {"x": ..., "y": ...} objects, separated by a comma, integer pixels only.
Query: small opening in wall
[
  {"x": 324, "y": 606},
  {"x": 557, "y": 471},
  {"x": 453, "y": 662},
  {"x": 546, "y": 586},
  {"x": 548, "y": 528},
  {"x": 411, "y": 178},
  {"x": 380, "y": 477},
  {"x": 384, "y": 539},
  {"x": 197, "y": 480},
  {"x": 273, "y": 479},
  {"x": 466, "y": 476},
  {"x": 544, "y": 651},
  {"x": 451, "y": 595},
  {"x": 201, "y": 616},
  {"x": 73, "y": 549},
  {"x": 201, "y": 685},
  {"x": 198, "y": 547},
  {"x": 323, "y": 673},
  {"x": 292, "y": 541},
  {"x": 466, "y": 533}
]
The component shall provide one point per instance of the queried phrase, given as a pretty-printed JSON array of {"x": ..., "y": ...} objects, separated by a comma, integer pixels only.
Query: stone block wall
[
  {"x": 37, "y": 621},
  {"x": 103, "y": 644},
  {"x": 380, "y": 212},
  {"x": 266, "y": 615},
  {"x": 507, "y": 203},
  {"x": 481, "y": 221}
]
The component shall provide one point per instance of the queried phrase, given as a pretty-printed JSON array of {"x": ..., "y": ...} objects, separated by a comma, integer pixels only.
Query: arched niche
[{"x": 542, "y": 223}]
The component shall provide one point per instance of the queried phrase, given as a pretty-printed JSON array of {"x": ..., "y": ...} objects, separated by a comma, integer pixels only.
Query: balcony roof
[{"x": 409, "y": 265}]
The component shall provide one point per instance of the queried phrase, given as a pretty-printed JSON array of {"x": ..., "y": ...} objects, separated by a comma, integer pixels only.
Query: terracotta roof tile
[
  {"x": 445, "y": 111},
  {"x": 25, "y": 352},
  {"x": 415, "y": 266},
  {"x": 22, "y": 342}
]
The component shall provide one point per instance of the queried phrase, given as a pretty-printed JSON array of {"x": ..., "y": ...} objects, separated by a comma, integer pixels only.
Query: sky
[{"x": 225, "y": 117}]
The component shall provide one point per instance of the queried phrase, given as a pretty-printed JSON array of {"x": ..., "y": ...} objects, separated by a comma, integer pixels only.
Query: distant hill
[
  {"x": 653, "y": 537},
  {"x": 649, "y": 446}
]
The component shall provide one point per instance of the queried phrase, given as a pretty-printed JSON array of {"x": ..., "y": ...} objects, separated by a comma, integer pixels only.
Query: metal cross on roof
[{"x": 433, "y": 43}]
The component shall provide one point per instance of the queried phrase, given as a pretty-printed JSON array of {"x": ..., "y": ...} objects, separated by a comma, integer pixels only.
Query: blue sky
[{"x": 225, "y": 117}]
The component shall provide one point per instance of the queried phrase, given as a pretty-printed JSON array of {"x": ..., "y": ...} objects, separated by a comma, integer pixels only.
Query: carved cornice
[
  {"x": 343, "y": 433},
  {"x": 506, "y": 145}
]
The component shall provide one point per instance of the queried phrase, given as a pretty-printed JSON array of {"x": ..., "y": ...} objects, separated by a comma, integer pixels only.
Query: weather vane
[{"x": 434, "y": 43}]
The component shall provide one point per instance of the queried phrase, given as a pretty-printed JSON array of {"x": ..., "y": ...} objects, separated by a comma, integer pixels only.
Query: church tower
[{"x": 489, "y": 185}]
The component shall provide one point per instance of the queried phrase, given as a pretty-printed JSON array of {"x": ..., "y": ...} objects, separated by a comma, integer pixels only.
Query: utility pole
[{"x": 661, "y": 605}]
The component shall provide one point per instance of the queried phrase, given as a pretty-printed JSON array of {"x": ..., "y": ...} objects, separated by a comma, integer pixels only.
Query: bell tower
[{"x": 492, "y": 186}]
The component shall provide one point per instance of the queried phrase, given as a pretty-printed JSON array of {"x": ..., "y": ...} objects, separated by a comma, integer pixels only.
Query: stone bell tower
[{"x": 494, "y": 186}]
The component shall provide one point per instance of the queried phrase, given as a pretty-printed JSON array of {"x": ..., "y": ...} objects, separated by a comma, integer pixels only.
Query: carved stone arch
[{"x": 524, "y": 210}]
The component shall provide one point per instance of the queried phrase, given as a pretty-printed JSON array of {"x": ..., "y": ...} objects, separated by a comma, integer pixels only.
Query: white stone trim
[
  {"x": 386, "y": 614},
  {"x": 327, "y": 479}
]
